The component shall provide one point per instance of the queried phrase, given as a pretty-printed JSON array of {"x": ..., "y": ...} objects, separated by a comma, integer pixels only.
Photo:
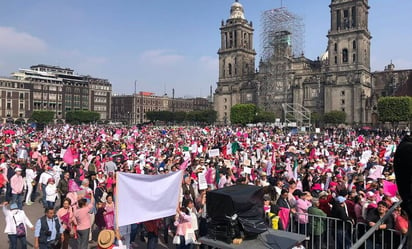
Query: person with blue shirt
[{"x": 48, "y": 232}]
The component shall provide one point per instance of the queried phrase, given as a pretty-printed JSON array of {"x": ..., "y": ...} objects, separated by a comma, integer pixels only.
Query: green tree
[
  {"x": 179, "y": 117},
  {"x": 265, "y": 117},
  {"x": 315, "y": 118},
  {"x": 210, "y": 116},
  {"x": 79, "y": 117},
  {"x": 42, "y": 117},
  {"x": 334, "y": 117},
  {"x": 243, "y": 113},
  {"x": 394, "y": 109},
  {"x": 152, "y": 115}
]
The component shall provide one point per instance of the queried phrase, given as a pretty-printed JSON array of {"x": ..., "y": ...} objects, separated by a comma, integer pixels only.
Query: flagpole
[
  {"x": 116, "y": 204},
  {"x": 180, "y": 190}
]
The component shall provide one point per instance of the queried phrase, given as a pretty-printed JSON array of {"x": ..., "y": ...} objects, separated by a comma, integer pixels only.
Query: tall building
[
  {"x": 55, "y": 89},
  {"x": 236, "y": 63},
  {"x": 14, "y": 100},
  {"x": 293, "y": 86}
]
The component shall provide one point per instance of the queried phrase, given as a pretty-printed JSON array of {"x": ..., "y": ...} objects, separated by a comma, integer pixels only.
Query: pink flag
[
  {"x": 184, "y": 165},
  {"x": 389, "y": 188},
  {"x": 68, "y": 157},
  {"x": 284, "y": 217}
]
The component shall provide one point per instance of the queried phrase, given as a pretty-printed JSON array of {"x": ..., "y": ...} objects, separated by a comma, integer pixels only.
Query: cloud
[
  {"x": 160, "y": 57},
  {"x": 13, "y": 41}
]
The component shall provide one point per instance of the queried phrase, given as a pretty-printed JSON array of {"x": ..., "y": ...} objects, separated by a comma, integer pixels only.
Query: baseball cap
[{"x": 340, "y": 199}]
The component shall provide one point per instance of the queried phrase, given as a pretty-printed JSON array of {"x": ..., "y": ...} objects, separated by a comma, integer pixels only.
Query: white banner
[
  {"x": 146, "y": 197},
  {"x": 214, "y": 152},
  {"x": 202, "y": 181}
]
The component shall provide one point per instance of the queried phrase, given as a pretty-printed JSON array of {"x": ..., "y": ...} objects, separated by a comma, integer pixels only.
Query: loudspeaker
[{"x": 238, "y": 210}]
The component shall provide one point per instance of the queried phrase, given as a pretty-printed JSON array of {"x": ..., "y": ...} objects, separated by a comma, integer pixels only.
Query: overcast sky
[{"x": 165, "y": 44}]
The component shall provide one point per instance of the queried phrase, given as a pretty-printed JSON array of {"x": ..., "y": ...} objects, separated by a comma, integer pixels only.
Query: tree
[
  {"x": 334, "y": 117},
  {"x": 243, "y": 113},
  {"x": 210, "y": 116},
  {"x": 394, "y": 109},
  {"x": 265, "y": 117},
  {"x": 205, "y": 116},
  {"x": 179, "y": 116},
  {"x": 78, "y": 117},
  {"x": 315, "y": 118},
  {"x": 42, "y": 117}
]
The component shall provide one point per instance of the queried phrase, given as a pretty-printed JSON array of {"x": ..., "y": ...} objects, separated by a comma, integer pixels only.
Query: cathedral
[{"x": 296, "y": 88}]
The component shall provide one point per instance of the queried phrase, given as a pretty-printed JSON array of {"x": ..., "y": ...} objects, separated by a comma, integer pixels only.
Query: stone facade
[
  {"x": 340, "y": 79},
  {"x": 55, "y": 89}
]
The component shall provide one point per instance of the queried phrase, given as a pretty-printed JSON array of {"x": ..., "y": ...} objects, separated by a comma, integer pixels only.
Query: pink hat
[{"x": 317, "y": 186}]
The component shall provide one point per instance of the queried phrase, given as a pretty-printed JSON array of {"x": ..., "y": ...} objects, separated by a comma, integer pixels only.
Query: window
[
  {"x": 338, "y": 16},
  {"x": 354, "y": 44},
  {"x": 342, "y": 93},
  {"x": 21, "y": 95},
  {"x": 353, "y": 16},
  {"x": 336, "y": 47},
  {"x": 230, "y": 69},
  {"x": 346, "y": 19},
  {"x": 345, "y": 55},
  {"x": 343, "y": 109},
  {"x": 336, "y": 60},
  {"x": 8, "y": 106},
  {"x": 342, "y": 101},
  {"x": 225, "y": 100},
  {"x": 353, "y": 57}
]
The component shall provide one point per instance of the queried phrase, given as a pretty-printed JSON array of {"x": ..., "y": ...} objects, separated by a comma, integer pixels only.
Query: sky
[{"x": 166, "y": 44}]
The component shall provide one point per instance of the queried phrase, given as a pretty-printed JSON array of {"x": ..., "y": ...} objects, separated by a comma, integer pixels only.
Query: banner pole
[{"x": 116, "y": 208}]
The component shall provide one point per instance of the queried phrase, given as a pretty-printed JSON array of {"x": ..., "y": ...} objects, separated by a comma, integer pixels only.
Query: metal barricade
[
  {"x": 323, "y": 232},
  {"x": 332, "y": 233},
  {"x": 375, "y": 238}
]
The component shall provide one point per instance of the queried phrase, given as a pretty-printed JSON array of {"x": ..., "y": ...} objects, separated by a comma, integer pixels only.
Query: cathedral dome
[
  {"x": 324, "y": 56},
  {"x": 236, "y": 11}
]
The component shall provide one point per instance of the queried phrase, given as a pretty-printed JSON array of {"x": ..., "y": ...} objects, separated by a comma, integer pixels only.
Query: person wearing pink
[
  {"x": 66, "y": 217},
  {"x": 182, "y": 223},
  {"x": 83, "y": 221},
  {"x": 72, "y": 195},
  {"x": 109, "y": 213},
  {"x": 17, "y": 187},
  {"x": 302, "y": 205}
]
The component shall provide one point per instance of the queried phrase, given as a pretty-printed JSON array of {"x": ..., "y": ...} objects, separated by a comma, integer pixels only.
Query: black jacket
[{"x": 403, "y": 172}]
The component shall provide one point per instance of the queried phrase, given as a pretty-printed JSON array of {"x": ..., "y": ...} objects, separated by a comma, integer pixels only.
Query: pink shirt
[
  {"x": 16, "y": 183},
  {"x": 83, "y": 217},
  {"x": 61, "y": 212},
  {"x": 302, "y": 208},
  {"x": 183, "y": 222}
]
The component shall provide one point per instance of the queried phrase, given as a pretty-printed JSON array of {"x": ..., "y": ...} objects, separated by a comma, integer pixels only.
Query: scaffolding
[
  {"x": 296, "y": 115},
  {"x": 282, "y": 40},
  {"x": 276, "y": 24}
]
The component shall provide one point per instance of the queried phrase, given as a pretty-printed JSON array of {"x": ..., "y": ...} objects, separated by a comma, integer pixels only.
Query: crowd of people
[{"x": 346, "y": 174}]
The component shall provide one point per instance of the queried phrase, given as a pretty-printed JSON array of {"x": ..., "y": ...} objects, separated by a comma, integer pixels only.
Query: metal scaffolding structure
[
  {"x": 276, "y": 23},
  {"x": 282, "y": 40}
]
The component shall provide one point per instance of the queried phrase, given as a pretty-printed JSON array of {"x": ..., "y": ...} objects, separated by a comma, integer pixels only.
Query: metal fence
[{"x": 327, "y": 233}]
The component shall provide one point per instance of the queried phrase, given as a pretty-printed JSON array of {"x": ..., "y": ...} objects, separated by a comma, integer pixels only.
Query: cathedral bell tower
[
  {"x": 349, "y": 37},
  {"x": 236, "y": 60},
  {"x": 348, "y": 76}
]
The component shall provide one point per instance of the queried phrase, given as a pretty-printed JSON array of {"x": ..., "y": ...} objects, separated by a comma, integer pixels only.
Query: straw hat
[{"x": 105, "y": 239}]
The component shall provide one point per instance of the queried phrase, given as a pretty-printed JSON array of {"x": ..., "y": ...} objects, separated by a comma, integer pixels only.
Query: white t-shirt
[{"x": 44, "y": 177}]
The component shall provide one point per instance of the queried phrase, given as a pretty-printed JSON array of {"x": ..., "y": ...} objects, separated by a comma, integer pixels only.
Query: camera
[{"x": 48, "y": 233}]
